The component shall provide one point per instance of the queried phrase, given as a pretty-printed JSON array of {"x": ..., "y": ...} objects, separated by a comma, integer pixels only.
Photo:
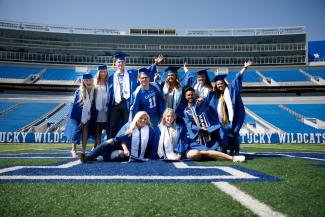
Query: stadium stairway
[
  {"x": 261, "y": 123},
  {"x": 29, "y": 127}
]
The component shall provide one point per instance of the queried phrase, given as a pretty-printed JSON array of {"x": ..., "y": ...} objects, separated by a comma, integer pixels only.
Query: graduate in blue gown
[
  {"x": 228, "y": 106},
  {"x": 100, "y": 103},
  {"x": 81, "y": 123},
  {"x": 121, "y": 86},
  {"x": 171, "y": 138},
  {"x": 173, "y": 92},
  {"x": 200, "y": 82},
  {"x": 147, "y": 97},
  {"x": 134, "y": 142},
  {"x": 203, "y": 131}
]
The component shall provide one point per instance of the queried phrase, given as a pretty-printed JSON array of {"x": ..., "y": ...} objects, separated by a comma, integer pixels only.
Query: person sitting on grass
[
  {"x": 171, "y": 137},
  {"x": 203, "y": 130},
  {"x": 133, "y": 142}
]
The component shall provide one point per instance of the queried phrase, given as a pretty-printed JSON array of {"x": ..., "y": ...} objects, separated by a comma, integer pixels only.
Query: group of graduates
[{"x": 146, "y": 119}]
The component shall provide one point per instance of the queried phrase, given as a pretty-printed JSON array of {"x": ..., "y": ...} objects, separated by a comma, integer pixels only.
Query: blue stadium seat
[
  {"x": 61, "y": 74},
  {"x": 249, "y": 119},
  {"x": 24, "y": 114},
  {"x": 317, "y": 72},
  {"x": 17, "y": 72},
  {"x": 281, "y": 118},
  {"x": 5, "y": 105},
  {"x": 309, "y": 110},
  {"x": 249, "y": 76},
  {"x": 285, "y": 75}
]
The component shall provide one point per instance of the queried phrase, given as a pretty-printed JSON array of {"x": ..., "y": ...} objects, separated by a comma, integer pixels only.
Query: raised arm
[{"x": 246, "y": 65}]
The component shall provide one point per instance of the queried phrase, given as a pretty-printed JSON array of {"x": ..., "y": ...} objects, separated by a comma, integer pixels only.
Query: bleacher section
[
  {"x": 5, "y": 105},
  {"x": 286, "y": 76},
  {"x": 249, "y": 76},
  {"x": 316, "y": 72},
  {"x": 281, "y": 118},
  {"x": 309, "y": 110},
  {"x": 60, "y": 74},
  {"x": 16, "y": 72},
  {"x": 23, "y": 115}
]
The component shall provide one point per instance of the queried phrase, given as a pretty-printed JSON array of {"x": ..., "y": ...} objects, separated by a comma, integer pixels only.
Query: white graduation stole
[
  {"x": 230, "y": 109},
  {"x": 135, "y": 141},
  {"x": 126, "y": 86},
  {"x": 85, "y": 115},
  {"x": 167, "y": 143}
]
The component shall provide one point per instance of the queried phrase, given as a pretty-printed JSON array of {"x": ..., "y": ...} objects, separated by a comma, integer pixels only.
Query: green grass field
[{"x": 301, "y": 193}]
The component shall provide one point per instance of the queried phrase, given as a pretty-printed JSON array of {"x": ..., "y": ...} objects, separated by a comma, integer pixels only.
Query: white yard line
[
  {"x": 63, "y": 166},
  {"x": 286, "y": 155},
  {"x": 247, "y": 201}
]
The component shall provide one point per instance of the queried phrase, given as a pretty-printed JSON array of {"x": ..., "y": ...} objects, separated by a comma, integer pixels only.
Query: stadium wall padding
[{"x": 250, "y": 138}]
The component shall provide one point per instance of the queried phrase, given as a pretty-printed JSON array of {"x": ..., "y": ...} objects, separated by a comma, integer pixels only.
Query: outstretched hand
[
  {"x": 159, "y": 58},
  {"x": 247, "y": 63},
  {"x": 185, "y": 67}
]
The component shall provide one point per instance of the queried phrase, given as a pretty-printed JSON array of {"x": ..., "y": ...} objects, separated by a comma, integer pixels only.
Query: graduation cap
[
  {"x": 87, "y": 76},
  {"x": 144, "y": 71},
  {"x": 102, "y": 67},
  {"x": 120, "y": 56},
  {"x": 220, "y": 77},
  {"x": 203, "y": 72},
  {"x": 172, "y": 69}
]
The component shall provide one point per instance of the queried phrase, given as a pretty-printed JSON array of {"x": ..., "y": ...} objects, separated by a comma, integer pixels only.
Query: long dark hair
[
  {"x": 216, "y": 90},
  {"x": 207, "y": 80}
]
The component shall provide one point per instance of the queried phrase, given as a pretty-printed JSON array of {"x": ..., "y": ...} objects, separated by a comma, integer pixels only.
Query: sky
[{"x": 175, "y": 14}]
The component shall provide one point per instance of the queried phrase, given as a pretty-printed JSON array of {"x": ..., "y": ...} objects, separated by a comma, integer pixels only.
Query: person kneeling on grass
[
  {"x": 133, "y": 142},
  {"x": 204, "y": 138}
]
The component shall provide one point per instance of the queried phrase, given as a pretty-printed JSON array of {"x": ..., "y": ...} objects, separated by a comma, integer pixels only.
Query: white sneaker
[{"x": 240, "y": 158}]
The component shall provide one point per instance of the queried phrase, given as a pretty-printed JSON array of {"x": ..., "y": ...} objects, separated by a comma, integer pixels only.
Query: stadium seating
[
  {"x": 60, "y": 74},
  {"x": 281, "y": 118},
  {"x": 286, "y": 75},
  {"x": 316, "y": 72},
  {"x": 249, "y": 76},
  {"x": 16, "y": 72},
  {"x": 309, "y": 110},
  {"x": 23, "y": 115},
  {"x": 5, "y": 105}
]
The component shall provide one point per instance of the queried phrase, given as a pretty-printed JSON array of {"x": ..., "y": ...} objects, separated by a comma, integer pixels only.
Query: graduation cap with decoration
[
  {"x": 87, "y": 76},
  {"x": 144, "y": 71},
  {"x": 102, "y": 67},
  {"x": 172, "y": 70}
]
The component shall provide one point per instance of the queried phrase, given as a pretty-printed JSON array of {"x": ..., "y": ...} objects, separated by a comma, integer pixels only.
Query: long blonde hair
[
  {"x": 163, "y": 119},
  {"x": 97, "y": 80},
  {"x": 133, "y": 124},
  {"x": 83, "y": 94}
]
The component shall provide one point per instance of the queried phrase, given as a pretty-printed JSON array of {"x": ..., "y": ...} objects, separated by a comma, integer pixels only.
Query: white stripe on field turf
[{"x": 247, "y": 201}]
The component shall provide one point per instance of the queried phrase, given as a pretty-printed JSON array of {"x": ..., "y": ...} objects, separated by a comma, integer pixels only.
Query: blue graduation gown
[
  {"x": 153, "y": 70},
  {"x": 150, "y": 100},
  {"x": 238, "y": 106},
  {"x": 72, "y": 129},
  {"x": 133, "y": 76},
  {"x": 239, "y": 111},
  {"x": 194, "y": 130},
  {"x": 182, "y": 141},
  {"x": 121, "y": 137},
  {"x": 133, "y": 85},
  {"x": 189, "y": 80}
]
